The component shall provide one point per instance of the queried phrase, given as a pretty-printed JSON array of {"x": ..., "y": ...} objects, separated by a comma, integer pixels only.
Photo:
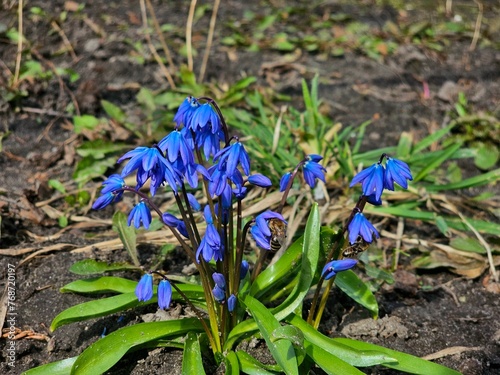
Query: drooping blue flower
[
  {"x": 333, "y": 267},
  {"x": 105, "y": 200},
  {"x": 285, "y": 179},
  {"x": 260, "y": 230},
  {"x": 231, "y": 302},
  {"x": 150, "y": 163},
  {"x": 210, "y": 246},
  {"x": 372, "y": 200},
  {"x": 175, "y": 147},
  {"x": 112, "y": 184},
  {"x": 172, "y": 221},
  {"x": 240, "y": 192},
  {"x": 164, "y": 294},
  {"x": 140, "y": 213},
  {"x": 186, "y": 111},
  {"x": 360, "y": 226},
  {"x": 313, "y": 170},
  {"x": 144, "y": 289},
  {"x": 396, "y": 171},
  {"x": 205, "y": 117},
  {"x": 218, "y": 181},
  {"x": 193, "y": 202},
  {"x": 244, "y": 269},
  {"x": 259, "y": 180},
  {"x": 219, "y": 280},
  {"x": 219, "y": 294},
  {"x": 371, "y": 179},
  {"x": 208, "y": 141},
  {"x": 111, "y": 192},
  {"x": 229, "y": 158}
]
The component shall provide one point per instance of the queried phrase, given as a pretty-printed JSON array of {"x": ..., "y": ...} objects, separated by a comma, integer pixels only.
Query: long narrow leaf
[
  {"x": 106, "y": 352},
  {"x": 310, "y": 256},
  {"x": 192, "y": 362},
  {"x": 103, "y": 284},
  {"x": 331, "y": 364},
  {"x": 282, "y": 350},
  {"x": 437, "y": 161},
  {"x": 405, "y": 362},
  {"x": 54, "y": 368},
  {"x": 232, "y": 364},
  {"x": 480, "y": 180},
  {"x": 358, "y": 358},
  {"x": 355, "y": 288},
  {"x": 249, "y": 365}
]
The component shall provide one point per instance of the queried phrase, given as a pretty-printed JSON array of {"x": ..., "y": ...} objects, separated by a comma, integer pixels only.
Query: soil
[{"x": 422, "y": 313}]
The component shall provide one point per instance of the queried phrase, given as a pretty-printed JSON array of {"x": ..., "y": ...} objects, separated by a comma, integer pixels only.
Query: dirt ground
[{"x": 422, "y": 313}]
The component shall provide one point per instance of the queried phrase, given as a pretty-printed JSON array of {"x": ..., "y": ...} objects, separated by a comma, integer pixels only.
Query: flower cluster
[
  {"x": 144, "y": 291},
  {"x": 373, "y": 181}
]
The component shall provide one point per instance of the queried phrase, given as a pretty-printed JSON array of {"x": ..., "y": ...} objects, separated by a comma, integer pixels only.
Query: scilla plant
[{"x": 208, "y": 173}]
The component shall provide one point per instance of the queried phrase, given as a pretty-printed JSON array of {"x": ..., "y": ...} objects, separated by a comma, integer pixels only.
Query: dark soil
[{"x": 421, "y": 314}]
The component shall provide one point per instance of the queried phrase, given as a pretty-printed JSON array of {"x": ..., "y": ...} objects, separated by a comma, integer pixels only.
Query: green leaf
[
  {"x": 95, "y": 309},
  {"x": 432, "y": 138},
  {"x": 99, "y": 148},
  {"x": 404, "y": 145},
  {"x": 282, "y": 350},
  {"x": 487, "y": 155},
  {"x": 249, "y": 365},
  {"x": 453, "y": 222},
  {"x": 232, "y": 364},
  {"x": 147, "y": 99},
  {"x": 359, "y": 358},
  {"x": 468, "y": 244},
  {"x": 309, "y": 265},
  {"x": 57, "y": 185},
  {"x": 103, "y": 284},
  {"x": 192, "y": 362},
  {"x": 85, "y": 122},
  {"x": 113, "y": 111},
  {"x": 92, "y": 266},
  {"x": 62, "y": 367},
  {"x": 480, "y": 180},
  {"x": 405, "y": 362},
  {"x": 355, "y": 288},
  {"x": 106, "y": 352},
  {"x": 436, "y": 162},
  {"x": 331, "y": 364},
  {"x": 89, "y": 168},
  {"x": 111, "y": 305},
  {"x": 127, "y": 236}
]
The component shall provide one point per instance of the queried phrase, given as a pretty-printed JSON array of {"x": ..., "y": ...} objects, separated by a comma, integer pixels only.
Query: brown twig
[
  {"x": 160, "y": 34},
  {"x": 210, "y": 38},
  {"x": 19, "y": 43},
  {"x": 189, "y": 34},
  {"x": 65, "y": 40},
  {"x": 152, "y": 48},
  {"x": 477, "y": 28}
]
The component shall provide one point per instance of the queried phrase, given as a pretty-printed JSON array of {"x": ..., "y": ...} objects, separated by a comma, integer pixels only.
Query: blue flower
[
  {"x": 360, "y": 226},
  {"x": 211, "y": 246},
  {"x": 205, "y": 117},
  {"x": 372, "y": 200},
  {"x": 333, "y": 267},
  {"x": 244, "y": 269},
  {"x": 193, "y": 202},
  {"x": 261, "y": 232},
  {"x": 144, "y": 289},
  {"x": 112, "y": 184},
  {"x": 150, "y": 163},
  {"x": 172, "y": 221},
  {"x": 140, "y": 213},
  {"x": 313, "y": 170},
  {"x": 285, "y": 179},
  {"x": 219, "y": 294},
  {"x": 208, "y": 141},
  {"x": 397, "y": 171},
  {"x": 229, "y": 158},
  {"x": 105, "y": 200},
  {"x": 371, "y": 179},
  {"x": 260, "y": 180},
  {"x": 231, "y": 302},
  {"x": 186, "y": 111},
  {"x": 164, "y": 294},
  {"x": 175, "y": 146},
  {"x": 219, "y": 280}
]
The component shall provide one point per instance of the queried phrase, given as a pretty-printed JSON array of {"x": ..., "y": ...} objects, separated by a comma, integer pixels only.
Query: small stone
[{"x": 92, "y": 45}]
